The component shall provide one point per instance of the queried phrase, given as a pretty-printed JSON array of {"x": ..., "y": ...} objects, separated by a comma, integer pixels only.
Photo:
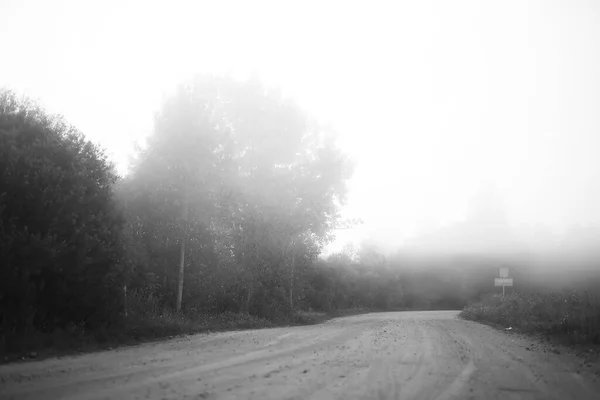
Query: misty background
[
  {"x": 246, "y": 141},
  {"x": 474, "y": 124}
]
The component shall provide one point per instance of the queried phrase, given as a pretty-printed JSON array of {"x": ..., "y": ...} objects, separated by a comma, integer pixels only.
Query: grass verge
[
  {"x": 571, "y": 319},
  {"x": 148, "y": 321},
  {"x": 317, "y": 317}
]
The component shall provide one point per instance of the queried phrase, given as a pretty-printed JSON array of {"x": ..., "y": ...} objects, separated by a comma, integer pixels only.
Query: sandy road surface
[{"x": 404, "y": 355}]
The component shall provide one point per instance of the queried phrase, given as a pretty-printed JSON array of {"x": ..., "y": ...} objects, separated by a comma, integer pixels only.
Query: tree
[
  {"x": 60, "y": 229},
  {"x": 250, "y": 170},
  {"x": 180, "y": 165},
  {"x": 292, "y": 176}
]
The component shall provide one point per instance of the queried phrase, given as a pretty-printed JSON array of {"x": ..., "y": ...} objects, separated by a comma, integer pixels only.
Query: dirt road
[{"x": 404, "y": 355}]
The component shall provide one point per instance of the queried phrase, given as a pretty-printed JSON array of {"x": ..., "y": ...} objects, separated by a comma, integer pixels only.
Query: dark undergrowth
[
  {"x": 571, "y": 319},
  {"x": 148, "y": 321}
]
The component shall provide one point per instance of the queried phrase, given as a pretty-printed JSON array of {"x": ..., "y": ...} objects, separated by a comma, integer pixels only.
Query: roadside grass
[
  {"x": 317, "y": 317},
  {"x": 148, "y": 320},
  {"x": 571, "y": 319}
]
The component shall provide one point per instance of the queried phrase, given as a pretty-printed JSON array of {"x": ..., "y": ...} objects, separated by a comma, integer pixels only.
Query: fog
[{"x": 474, "y": 124}]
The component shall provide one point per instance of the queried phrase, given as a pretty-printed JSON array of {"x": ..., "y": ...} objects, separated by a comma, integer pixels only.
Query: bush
[
  {"x": 59, "y": 227},
  {"x": 150, "y": 318},
  {"x": 574, "y": 317}
]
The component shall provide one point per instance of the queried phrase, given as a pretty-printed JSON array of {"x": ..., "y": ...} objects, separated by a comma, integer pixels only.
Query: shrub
[
  {"x": 59, "y": 227},
  {"x": 575, "y": 317},
  {"x": 149, "y": 317}
]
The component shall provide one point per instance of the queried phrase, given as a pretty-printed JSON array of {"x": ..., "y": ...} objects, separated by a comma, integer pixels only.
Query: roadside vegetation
[
  {"x": 220, "y": 223},
  {"x": 571, "y": 318},
  {"x": 217, "y": 225}
]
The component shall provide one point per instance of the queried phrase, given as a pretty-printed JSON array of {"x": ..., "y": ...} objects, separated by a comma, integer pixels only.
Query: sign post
[{"x": 503, "y": 279}]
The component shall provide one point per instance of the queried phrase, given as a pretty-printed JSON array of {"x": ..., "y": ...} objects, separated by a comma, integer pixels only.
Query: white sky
[{"x": 434, "y": 98}]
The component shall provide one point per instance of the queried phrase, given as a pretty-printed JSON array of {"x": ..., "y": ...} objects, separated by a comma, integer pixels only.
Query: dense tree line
[
  {"x": 226, "y": 208},
  {"x": 60, "y": 227},
  {"x": 232, "y": 198}
]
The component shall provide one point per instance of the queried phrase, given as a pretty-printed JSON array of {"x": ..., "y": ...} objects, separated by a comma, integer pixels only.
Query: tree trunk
[
  {"x": 248, "y": 298},
  {"x": 250, "y": 284},
  {"x": 166, "y": 265},
  {"x": 246, "y": 262},
  {"x": 165, "y": 274},
  {"x": 292, "y": 276},
  {"x": 125, "y": 300},
  {"x": 182, "y": 252}
]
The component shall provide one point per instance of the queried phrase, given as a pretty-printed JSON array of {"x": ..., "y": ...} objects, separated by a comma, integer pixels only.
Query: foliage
[
  {"x": 225, "y": 210},
  {"x": 150, "y": 319},
  {"x": 220, "y": 223},
  {"x": 60, "y": 228},
  {"x": 263, "y": 186},
  {"x": 574, "y": 316}
]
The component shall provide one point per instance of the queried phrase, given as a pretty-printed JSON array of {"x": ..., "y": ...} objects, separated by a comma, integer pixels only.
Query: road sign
[
  {"x": 503, "y": 282},
  {"x": 503, "y": 273}
]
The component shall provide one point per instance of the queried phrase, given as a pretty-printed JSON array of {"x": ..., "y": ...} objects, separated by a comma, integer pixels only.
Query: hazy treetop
[{"x": 437, "y": 100}]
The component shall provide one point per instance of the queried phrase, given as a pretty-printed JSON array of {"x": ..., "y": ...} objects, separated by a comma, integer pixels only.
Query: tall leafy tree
[
  {"x": 292, "y": 178},
  {"x": 179, "y": 166},
  {"x": 60, "y": 229},
  {"x": 249, "y": 169}
]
